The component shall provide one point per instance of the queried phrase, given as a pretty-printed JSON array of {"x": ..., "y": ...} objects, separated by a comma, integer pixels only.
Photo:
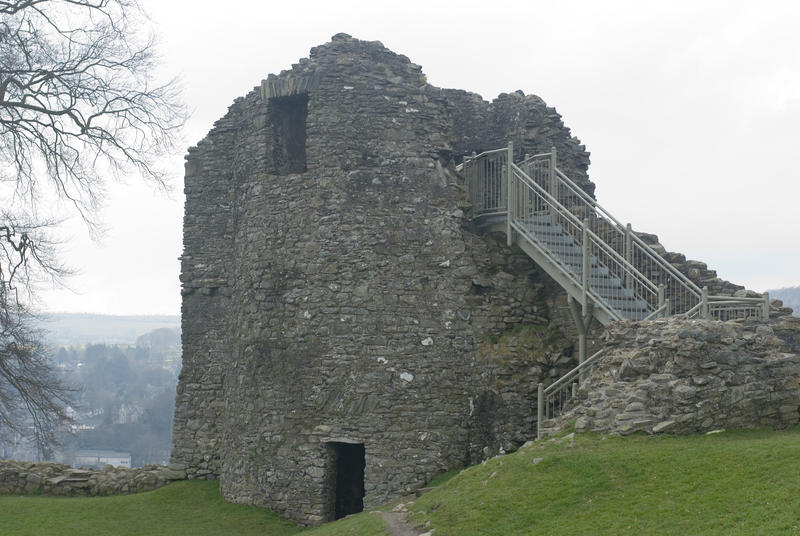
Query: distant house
[{"x": 99, "y": 458}]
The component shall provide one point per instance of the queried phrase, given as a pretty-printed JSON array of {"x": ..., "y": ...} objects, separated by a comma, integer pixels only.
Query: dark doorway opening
[
  {"x": 347, "y": 468},
  {"x": 287, "y": 117}
]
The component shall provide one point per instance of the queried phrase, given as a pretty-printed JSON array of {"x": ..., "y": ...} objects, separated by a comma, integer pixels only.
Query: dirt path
[{"x": 396, "y": 523}]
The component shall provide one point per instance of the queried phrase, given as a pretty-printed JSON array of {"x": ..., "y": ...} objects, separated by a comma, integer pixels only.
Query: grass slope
[{"x": 744, "y": 482}]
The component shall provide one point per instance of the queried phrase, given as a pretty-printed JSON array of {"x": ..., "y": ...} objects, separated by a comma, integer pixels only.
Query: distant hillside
[
  {"x": 790, "y": 296},
  {"x": 79, "y": 328},
  {"x": 160, "y": 338}
]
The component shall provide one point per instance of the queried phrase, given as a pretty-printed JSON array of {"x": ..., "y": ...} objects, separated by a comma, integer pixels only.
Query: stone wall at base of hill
[{"x": 47, "y": 478}]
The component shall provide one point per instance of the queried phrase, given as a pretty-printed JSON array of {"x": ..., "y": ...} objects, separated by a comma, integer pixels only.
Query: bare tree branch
[{"x": 78, "y": 102}]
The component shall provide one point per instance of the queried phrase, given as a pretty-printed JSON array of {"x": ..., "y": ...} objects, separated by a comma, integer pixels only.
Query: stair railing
[
  {"x": 531, "y": 201},
  {"x": 552, "y": 400},
  {"x": 538, "y": 186},
  {"x": 682, "y": 293}
]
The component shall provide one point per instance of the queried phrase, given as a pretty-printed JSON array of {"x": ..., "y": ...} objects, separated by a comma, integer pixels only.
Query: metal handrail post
[
  {"x": 552, "y": 188},
  {"x": 472, "y": 186},
  {"x": 704, "y": 309},
  {"x": 586, "y": 264},
  {"x": 509, "y": 192},
  {"x": 539, "y": 410},
  {"x": 661, "y": 298},
  {"x": 628, "y": 250},
  {"x": 585, "y": 280}
]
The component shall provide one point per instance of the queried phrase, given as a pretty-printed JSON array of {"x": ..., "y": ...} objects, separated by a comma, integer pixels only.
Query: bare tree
[{"x": 78, "y": 104}]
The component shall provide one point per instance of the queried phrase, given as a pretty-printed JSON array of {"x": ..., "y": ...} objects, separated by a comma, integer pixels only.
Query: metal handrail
[
  {"x": 649, "y": 251},
  {"x": 530, "y": 183},
  {"x": 566, "y": 212},
  {"x": 635, "y": 263},
  {"x": 661, "y": 311},
  {"x": 533, "y": 157},
  {"x": 560, "y": 389},
  {"x": 486, "y": 153},
  {"x": 563, "y": 211},
  {"x": 740, "y": 299},
  {"x": 574, "y": 372}
]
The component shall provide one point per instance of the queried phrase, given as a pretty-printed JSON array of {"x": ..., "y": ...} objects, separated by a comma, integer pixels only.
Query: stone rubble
[{"x": 691, "y": 376}]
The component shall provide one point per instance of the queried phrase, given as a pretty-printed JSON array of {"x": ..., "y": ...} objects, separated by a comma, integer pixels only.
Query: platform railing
[{"x": 485, "y": 175}]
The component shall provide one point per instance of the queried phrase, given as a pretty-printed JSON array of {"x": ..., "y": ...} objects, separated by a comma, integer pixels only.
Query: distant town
[{"x": 123, "y": 370}]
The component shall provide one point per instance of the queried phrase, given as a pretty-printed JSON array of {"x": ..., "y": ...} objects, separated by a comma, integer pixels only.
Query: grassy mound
[{"x": 744, "y": 482}]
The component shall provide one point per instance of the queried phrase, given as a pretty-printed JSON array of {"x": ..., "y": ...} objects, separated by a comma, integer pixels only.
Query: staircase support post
[
  {"x": 765, "y": 310},
  {"x": 509, "y": 192},
  {"x": 662, "y": 300},
  {"x": 539, "y": 410},
  {"x": 583, "y": 321}
]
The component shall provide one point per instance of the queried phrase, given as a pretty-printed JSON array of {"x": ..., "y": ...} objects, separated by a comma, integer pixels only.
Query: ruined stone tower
[{"x": 346, "y": 337}]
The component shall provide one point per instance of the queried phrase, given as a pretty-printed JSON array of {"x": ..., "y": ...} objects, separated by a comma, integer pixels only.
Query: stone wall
[
  {"x": 689, "y": 376},
  {"x": 478, "y": 125},
  {"x": 47, "y": 478}
]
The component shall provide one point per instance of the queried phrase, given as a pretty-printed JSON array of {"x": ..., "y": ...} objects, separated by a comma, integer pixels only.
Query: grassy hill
[{"x": 741, "y": 482}]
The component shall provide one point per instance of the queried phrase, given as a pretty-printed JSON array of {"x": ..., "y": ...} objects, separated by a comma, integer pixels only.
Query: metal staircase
[{"x": 609, "y": 271}]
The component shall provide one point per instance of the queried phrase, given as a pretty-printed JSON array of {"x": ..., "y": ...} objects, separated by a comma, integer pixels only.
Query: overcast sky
[{"x": 690, "y": 110}]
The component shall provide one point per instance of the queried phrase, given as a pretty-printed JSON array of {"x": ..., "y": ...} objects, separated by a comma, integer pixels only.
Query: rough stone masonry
[
  {"x": 691, "y": 376},
  {"x": 339, "y": 316}
]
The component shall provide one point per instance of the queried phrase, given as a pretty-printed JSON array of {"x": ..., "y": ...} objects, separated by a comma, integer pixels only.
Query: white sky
[{"x": 691, "y": 110}]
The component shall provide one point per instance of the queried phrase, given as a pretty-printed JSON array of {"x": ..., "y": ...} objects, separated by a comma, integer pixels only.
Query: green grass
[
  {"x": 364, "y": 524},
  {"x": 183, "y": 508},
  {"x": 744, "y": 482}
]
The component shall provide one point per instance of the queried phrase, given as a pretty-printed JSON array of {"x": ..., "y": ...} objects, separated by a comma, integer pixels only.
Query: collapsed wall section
[{"x": 689, "y": 376}]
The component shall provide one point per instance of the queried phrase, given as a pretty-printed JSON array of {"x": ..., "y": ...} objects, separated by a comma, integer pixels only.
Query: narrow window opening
[
  {"x": 346, "y": 478},
  {"x": 287, "y": 117}
]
